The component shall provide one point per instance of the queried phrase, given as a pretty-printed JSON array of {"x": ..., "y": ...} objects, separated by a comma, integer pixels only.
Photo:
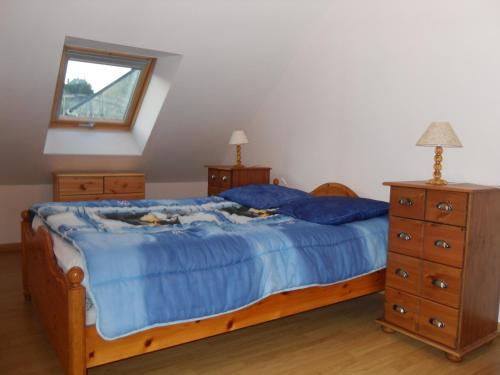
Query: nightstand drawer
[
  {"x": 225, "y": 179},
  {"x": 441, "y": 283},
  {"x": 444, "y": 244},
  {"x": 213, "y": 177},
  {"x": 70, "y": 185},
  {"x": 406, "y": 236},
  {"x": 123, "y": 184},
  {"x": 403, "y": 272},
  {"x": 448, "y": 207},
  {"x": 438, "y": 323},
  {"x": 407, "y": 202},
  {"x": 401, "y": 309}
]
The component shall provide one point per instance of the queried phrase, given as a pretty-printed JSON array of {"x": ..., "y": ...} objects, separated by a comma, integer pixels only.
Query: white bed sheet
[{"x": 67, "y": 256}]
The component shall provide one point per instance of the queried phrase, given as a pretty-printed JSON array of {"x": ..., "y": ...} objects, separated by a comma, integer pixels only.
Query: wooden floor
[{"x": 340, "y": 339}]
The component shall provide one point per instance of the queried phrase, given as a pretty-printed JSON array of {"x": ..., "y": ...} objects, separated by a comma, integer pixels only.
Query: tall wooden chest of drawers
[
  {"x": 222, "y": 177},
  {"x": 98, "y": 186},
  {"x": 443, "y": 266}
]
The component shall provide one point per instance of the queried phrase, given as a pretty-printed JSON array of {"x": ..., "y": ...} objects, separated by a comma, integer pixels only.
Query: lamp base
[
  {"x": 438, "y": 158},
  {"x": 437, "y": 181}
]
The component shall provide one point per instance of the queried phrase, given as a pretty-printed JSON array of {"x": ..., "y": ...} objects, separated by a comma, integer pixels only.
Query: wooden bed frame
[{"x": 60, "y": 301}]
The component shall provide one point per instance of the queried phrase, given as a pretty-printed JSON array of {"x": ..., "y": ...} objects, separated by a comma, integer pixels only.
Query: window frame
[{"x": 135, "y": 102}]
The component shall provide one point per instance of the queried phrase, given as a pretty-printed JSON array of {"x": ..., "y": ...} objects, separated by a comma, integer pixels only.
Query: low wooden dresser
[
  {"x": 98, "y": 186},
  {"x": 443, "y": 267},
  {"x": 222, "y": 177}
]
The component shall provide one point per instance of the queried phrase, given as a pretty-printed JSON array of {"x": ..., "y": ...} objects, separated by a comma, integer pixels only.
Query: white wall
[
  {"x": 15, "y": 198},
  {"x": 368, "y": 80},
  {"x": 233, "y": 51}
]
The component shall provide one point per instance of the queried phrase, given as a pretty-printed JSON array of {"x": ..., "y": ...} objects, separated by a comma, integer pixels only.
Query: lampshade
[
  {"x": 238, "y": 138},
  {"x": 439, "y": 134}
]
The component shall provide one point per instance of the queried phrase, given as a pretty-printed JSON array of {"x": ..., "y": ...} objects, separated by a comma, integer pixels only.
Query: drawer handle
[
  {"x": 439, "y": 283},
  {"x": 224, "y": 178},
  {"x": 399, "y": 309},
  {"x": 437, "y": 323},
  {"x": 402, "y": 273},
  {"x": 404, "y": 236},
  {"x": 442, "y": 244},
  {"x": 212, "y": 177},
  {"x": 444, "y": 206},
  {"x": 83, "y": 187},
  {"x": 405, "y": 202}
]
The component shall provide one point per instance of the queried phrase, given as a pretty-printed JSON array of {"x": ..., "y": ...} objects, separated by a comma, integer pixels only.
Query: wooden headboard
[
  {"x": 329, "y": 189},
  {"x": 333, "y": 189}
]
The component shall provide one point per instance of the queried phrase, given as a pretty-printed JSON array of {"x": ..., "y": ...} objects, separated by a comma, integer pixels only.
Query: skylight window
[{"x": 99, "y": 89}]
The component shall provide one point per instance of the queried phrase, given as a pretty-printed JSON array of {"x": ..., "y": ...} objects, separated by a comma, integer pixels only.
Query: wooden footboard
[{"x": 58, "y": 297}]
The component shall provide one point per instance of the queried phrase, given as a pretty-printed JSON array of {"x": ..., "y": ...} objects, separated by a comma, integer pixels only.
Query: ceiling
[{"x": 234, "y": 52}]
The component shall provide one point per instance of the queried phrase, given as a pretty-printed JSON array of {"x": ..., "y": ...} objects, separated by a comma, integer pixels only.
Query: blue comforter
[{"x": 158, "y": 262}]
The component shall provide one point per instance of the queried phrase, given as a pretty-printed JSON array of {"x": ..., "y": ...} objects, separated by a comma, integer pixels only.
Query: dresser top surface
[
  {"x": 231, "y": 167},
  {"x": 451, "y": 186},
  {"x": 97, "y": 174}
]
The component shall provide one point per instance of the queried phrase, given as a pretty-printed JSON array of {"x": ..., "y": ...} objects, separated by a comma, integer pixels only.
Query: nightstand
[
  {"x": 443, "y": 266},
  {"x": 222, "y": 177}
]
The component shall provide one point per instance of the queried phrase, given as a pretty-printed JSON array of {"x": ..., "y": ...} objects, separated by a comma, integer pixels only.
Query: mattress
[{"x": 168, "y": 261}]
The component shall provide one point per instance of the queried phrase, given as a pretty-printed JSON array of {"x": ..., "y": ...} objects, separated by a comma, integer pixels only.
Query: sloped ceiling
[{"x": 233, "y": 51}]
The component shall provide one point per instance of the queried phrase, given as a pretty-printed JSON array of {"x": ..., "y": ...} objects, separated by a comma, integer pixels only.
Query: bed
[{"x": 81, "y": 342}]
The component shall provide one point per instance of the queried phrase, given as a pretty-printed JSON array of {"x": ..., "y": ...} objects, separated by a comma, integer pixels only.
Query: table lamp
[
  {"x": 238, "y": 138},
  {"x": 439, "y": 135}
]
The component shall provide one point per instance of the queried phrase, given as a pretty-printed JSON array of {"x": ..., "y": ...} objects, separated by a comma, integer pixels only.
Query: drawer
[
  {"x": 225, "y": 179},
  {"x": 98, "y": 197},
  {"x": 213, "y": 177},
  {"x": 407, "y": 202},
  {"x": 441, "y": 283},
  {"x": 123, "y": 184},
  {"x": 444, "y": 244},
  {"x": 448, "y": 207},
  {"x": 73, "y": 185},
  {"x": 401, "y": 309},
  {"x": 406, "y": 236},
  {"x": 403, "y": 272},
  {"x": 438, "y": 323}
]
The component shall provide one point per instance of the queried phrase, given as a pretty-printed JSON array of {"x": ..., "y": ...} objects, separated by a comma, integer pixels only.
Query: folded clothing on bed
[{"x": 153, "y": 263}]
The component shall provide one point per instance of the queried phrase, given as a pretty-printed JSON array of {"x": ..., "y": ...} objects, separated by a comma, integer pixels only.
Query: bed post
[{"x": 76, "y": 323}]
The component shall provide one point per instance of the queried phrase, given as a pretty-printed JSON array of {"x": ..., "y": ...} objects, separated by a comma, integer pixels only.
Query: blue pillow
[
  {"x": 334, "y": 210},
  {"x": 263, "y": 196}
]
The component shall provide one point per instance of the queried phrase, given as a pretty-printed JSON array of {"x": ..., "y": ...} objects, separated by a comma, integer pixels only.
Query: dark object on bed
[
  {"x": 263, "y": 196},
  {"x": 142, "y": 218},
  {"x": 334, "y": 210}
]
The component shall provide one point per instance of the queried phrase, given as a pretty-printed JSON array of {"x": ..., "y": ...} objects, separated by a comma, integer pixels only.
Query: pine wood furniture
[
  {"x": 443, "y": 269},
  {"x": 223, "y": 177},
  {"x": 60, "y": 301},
  {"x": 97, "y": 186}
]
